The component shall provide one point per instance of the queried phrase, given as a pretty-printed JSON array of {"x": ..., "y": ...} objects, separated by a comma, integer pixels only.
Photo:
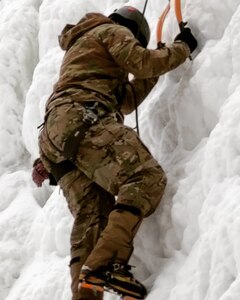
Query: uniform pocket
[{"x": 104, "y": 133}]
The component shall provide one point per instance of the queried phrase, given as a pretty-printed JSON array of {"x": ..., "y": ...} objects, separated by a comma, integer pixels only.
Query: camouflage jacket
[{"x": 99, "y": 57}]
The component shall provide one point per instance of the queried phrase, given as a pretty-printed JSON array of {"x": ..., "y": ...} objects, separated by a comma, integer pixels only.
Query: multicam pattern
[
  {"x": 99, "y": 57},
  {"x": 111, "y": 155},
  {"x": 111, "y": 160}
]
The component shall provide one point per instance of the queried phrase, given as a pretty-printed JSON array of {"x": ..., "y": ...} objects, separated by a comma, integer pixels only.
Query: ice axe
[
  {"x": 161, "y": 20},
  {"x": 160, "y": 25},
  {"x": 178, "y": 14}
]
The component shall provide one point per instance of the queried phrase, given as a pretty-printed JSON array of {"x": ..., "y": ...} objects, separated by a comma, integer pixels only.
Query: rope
[{"x": 135, "y": 100}]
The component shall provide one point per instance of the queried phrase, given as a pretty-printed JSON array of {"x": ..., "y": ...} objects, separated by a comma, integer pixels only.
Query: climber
[{"x": 92, "y": 155}]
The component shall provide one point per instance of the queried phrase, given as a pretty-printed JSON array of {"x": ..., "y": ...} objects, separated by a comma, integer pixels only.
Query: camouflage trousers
[
  {"x": 90, "y": 206},
  {"x": 111, "y": 161}
]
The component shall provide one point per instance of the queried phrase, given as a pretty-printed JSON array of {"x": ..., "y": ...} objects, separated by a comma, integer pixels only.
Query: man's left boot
[
  {"x": 107, "y": 263},
  {"x": 116, "y": 240},
  {"x": 116, "y": 277}
]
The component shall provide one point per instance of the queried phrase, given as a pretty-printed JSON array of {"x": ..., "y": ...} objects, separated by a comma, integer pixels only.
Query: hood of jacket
[{"x": 71, "y": 33}]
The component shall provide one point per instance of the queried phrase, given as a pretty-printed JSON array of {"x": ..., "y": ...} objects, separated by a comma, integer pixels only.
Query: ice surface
[{"x": 189, "y": 249}]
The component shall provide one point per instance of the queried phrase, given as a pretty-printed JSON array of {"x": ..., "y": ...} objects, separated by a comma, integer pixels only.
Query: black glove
[
  {"x": 160, "y": 45},
  {"x": 186, "y": 36}
]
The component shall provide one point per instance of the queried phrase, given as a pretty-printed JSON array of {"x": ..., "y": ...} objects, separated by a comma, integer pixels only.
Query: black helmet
[{"x": 134, "y": 20}]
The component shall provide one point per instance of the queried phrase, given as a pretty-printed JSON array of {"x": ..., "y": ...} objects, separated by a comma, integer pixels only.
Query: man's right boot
[
  {"x": 83, "y": 293},
  {"x": 90, "y": 292}
]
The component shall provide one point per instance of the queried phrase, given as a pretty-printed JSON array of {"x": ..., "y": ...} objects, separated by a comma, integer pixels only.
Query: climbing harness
[{"x": 178, "y": 14}]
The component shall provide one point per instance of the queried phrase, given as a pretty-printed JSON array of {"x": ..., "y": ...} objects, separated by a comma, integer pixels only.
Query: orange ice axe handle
[
  {"x": 160, "y": 25},
  {"x": 178, "y": 13}
]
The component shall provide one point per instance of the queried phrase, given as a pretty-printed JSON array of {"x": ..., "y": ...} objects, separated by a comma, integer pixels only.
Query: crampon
[
  {"x": 96, "y": 288},
  {"x": 116, "y": 279}
]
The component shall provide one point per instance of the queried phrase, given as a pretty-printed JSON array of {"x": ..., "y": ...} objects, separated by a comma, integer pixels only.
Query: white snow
[{"x": 189, "y": 249}]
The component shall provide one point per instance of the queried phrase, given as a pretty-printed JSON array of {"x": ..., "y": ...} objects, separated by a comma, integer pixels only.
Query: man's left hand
[{"x": 39, "y": 173}]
